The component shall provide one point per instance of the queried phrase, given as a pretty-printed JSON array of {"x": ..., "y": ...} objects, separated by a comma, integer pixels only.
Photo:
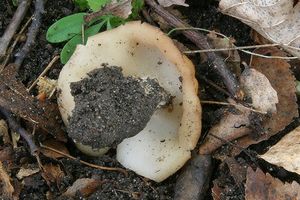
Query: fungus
[{"x": 132, "y": 86}]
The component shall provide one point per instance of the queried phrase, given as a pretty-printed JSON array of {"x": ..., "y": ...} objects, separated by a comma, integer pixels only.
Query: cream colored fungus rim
[{"x": 143, "y": 51}]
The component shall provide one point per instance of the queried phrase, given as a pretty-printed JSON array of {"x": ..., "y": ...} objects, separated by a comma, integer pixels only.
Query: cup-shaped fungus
[{"x": 132, "y": 87}]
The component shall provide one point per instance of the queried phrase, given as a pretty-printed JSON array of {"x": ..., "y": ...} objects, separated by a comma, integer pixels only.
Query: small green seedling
[{"x": 73, "y": 29}]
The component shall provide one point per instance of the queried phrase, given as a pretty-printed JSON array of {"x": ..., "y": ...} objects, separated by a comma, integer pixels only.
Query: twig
[
  {"x": 214, "y": 85},
  {"x": 232, "y": 104},
  {"x": 230, "y": 49},
  {"x": 107, "y": 9},
  {"x": 241, "y": 48},
  {"x": 13, "y": 26},
  {"x": 55, "y": 58},
  {"x": 32, "y": 33},
  {"x": 12, "y": 47},
  {"x": 15, "y": 126},
  {"x": 201, "y": 41},
  {"x": 85, "y": 163}
]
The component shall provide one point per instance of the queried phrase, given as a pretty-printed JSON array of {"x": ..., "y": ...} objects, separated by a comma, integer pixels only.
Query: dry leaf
[
  {"x": 4, "y": 132},
  {"x": 6, "y": 188},
  {"x": 119, "y": 8},
  {"x": 264, "y": 187},
  {"x": 55, "y": 145},
  {"x": 276, "y": 20},
  {"x": 46, "y": 86},
  {"x": 14, "y": 97},
  {"x": 233, "y": 124},
  {"x": 286, "y": 153},
  {"x": 52, "y": 173},
  {"x": 259, "y": 89},
  {"x": 24, "y": 172},
  {"x": 85, "y": 186},
  {"x": 167, "y": 3},
  {"x": 6, "y": 154},
  {"x": 282, "y": 80}
]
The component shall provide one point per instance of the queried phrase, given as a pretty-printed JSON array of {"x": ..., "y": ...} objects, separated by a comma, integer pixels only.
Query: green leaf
[
  {"x": 137, "y": 6},
  {"x": 112, "y": 21},
  {"x": 65, "y": 28},
  {"x": 82, "y": 4},
  {"x": 96, "y": 5},
  {"x": 15, "y": 2},
  {"x": 70, "y": 46}
]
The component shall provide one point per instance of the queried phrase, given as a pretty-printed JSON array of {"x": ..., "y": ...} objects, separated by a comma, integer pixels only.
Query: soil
[
  {"x": 202, "y": 14},
  {"x": 118, "y": 108}
]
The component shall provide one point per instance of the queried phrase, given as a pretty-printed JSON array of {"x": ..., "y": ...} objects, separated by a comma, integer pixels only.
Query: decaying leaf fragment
[
  {"x": 278, "y": 76},
  {"x": 6, "y": 189},
  {"x": 276, "y": 20},
  {"x": 259, "y": 89},
  {"x": 85, "y": 186},
  {"x": 52, "y": 173},
  {"x": 264, "y": 187},
  {"x": 167, "y": 3},
  {"x": 282, "y": 80},
  {"x": 24, "y": 172},
  {"x": 286, "y": 153},
  {"x": 237, "y": 123}
]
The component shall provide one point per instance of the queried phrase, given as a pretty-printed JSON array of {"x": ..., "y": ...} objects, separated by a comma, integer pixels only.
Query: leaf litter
[
  {"x": 235, "y": 119},
  {"x": 264, "y": 187},
  {"x": 276, "y": 20}
]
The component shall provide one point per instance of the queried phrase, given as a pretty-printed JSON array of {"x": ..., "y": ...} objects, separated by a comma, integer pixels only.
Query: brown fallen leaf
[
  {"x": 265, "y": 187},
  {"x": 216, "y": 191},
  {"x": 6, "y": 154},
  {"x": 85, "y": 186},
  {"x": 52, "y": 173},
  {"x": 233, "y": 124},
  {"x": 14, "y": 97},
  {"x": 168, "y": 3},
  {"x": 286, "y": 153},
  {"x": 243, "y": 121},
  {"x": 6, "y": 188},
  {"x": 282, "y": 80},
  {"x": 55, "y": 145},
  {"x": 4, "y": 132},
  {"x": 224, "y": 185},
  {"x": 237, "y": 171}
]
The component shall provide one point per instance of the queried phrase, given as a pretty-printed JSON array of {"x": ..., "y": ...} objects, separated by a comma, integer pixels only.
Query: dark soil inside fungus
[{"x": 110, "y": 107}]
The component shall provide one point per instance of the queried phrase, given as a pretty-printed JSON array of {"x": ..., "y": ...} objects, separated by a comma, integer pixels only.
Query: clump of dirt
[{"x": 110, "y": 107}]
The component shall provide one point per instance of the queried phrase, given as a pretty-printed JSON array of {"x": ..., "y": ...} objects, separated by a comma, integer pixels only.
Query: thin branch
[
  {"x": 55, "y": 58},
  {"x": 32, "y": 33},
  {"x": 85, "y": 163},
  {"x": 13, "y": 26},
  {"x": 241, "y": 48},
  {"x": 111, "y": 8},
  {"x": 231, "y": 48},
  {"x": 232, "y": 104},
  {"x": 15, "y": 126},
  {"x": 201, "y": 41},
  {"x": 12, "y": 47}
]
